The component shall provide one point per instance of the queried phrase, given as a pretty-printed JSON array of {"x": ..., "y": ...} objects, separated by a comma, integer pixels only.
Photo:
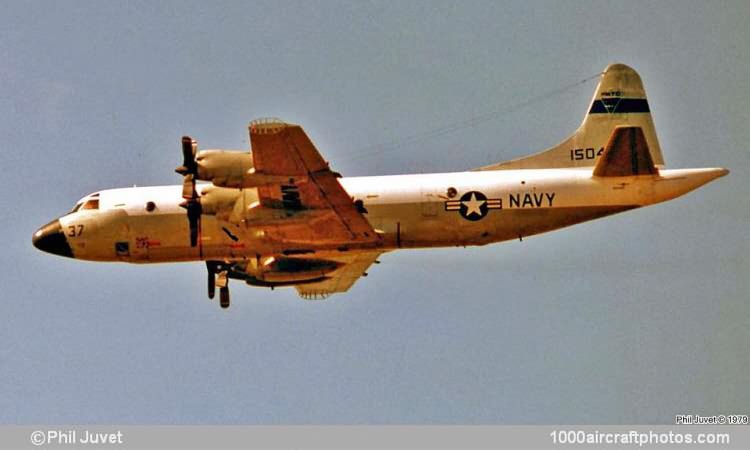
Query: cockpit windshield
[{"x": 90, "y": 202}]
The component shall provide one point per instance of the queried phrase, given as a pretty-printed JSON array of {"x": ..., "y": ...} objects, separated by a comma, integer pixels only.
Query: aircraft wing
[
  {"x": 282, "y": 150},
  {"x": 353, "y": 266}
]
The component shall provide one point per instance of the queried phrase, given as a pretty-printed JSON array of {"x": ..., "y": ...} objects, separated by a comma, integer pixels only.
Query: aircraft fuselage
[{"x": 147, "y": 225}]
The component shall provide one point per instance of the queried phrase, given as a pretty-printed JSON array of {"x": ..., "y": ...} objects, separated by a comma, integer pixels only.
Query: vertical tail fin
[{"x": 619, "y": 100}]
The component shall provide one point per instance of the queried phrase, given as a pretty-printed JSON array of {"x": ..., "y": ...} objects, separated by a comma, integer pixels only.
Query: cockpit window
[{"x": 92, "y": 203}]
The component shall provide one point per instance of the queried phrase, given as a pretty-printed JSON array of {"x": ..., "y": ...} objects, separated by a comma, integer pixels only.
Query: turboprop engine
[{"x": 224, "y": 168}]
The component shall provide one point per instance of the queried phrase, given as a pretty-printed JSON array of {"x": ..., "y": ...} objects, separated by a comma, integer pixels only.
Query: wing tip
[{"x": 267, "y": 125}]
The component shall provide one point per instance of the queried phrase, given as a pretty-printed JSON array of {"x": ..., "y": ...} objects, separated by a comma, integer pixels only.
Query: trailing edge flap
[{"x": 626, "y": 154}]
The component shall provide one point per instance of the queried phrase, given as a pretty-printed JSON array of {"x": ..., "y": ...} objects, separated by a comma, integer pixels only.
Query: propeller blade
[
  {"x": 192, "y": 203},
  {"x": 194, "y": 215},
  {"x": 188, "y": 188},
  {"x": 189, "y": 151}
]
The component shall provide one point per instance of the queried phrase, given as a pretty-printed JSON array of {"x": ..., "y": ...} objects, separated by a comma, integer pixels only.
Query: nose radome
[{"x": 51, "y": 239}]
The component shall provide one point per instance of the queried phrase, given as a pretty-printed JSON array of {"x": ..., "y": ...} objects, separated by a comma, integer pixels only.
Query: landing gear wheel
[
  {"x": 211, "y": 285},
  {"x": 224, "y": 297}
]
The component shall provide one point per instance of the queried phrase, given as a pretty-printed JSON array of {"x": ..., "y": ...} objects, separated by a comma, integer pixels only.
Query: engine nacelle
[
  {"x": 224, "y": 168},
  {"x": 234, "y": 169},
  {"x": 243, "y": 206},
  {"x": 219, "y": 201}
]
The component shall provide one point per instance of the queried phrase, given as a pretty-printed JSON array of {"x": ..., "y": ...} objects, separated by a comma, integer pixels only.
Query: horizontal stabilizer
[{"x": 626, "y": 154}]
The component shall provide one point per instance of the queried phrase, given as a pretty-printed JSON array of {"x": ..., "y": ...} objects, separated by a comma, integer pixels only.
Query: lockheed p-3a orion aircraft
[{"x": 278, "y": 215}]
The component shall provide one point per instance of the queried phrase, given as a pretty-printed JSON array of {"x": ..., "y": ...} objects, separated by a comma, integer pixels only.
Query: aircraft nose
[{"x": 51, "y": 239}]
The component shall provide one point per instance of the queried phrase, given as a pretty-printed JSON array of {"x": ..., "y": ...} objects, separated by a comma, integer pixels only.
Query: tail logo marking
[{"x": 612, "y": 105}]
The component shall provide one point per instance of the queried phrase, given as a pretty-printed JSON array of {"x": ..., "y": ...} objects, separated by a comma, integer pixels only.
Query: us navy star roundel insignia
[{"x": 473, "y": 205}]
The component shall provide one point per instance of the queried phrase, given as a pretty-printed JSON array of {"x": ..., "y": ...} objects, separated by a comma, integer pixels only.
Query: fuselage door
[{"x": 429, "y": 201}]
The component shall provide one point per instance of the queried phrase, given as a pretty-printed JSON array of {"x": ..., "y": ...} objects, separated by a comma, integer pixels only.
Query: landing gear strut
[
  {"x": 222, "y": 280},
  {"x": 218, "y": 276},
  {"x": 211, "y": 267}
]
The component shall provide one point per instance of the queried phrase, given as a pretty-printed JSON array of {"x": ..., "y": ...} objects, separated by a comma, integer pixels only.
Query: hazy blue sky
[{"x": 633, "y": 318}]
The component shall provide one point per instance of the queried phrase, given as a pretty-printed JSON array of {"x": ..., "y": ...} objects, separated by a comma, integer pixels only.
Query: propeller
[
  {"x": 217, "y": 274},
  {"x": 191, "y": 203}
]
